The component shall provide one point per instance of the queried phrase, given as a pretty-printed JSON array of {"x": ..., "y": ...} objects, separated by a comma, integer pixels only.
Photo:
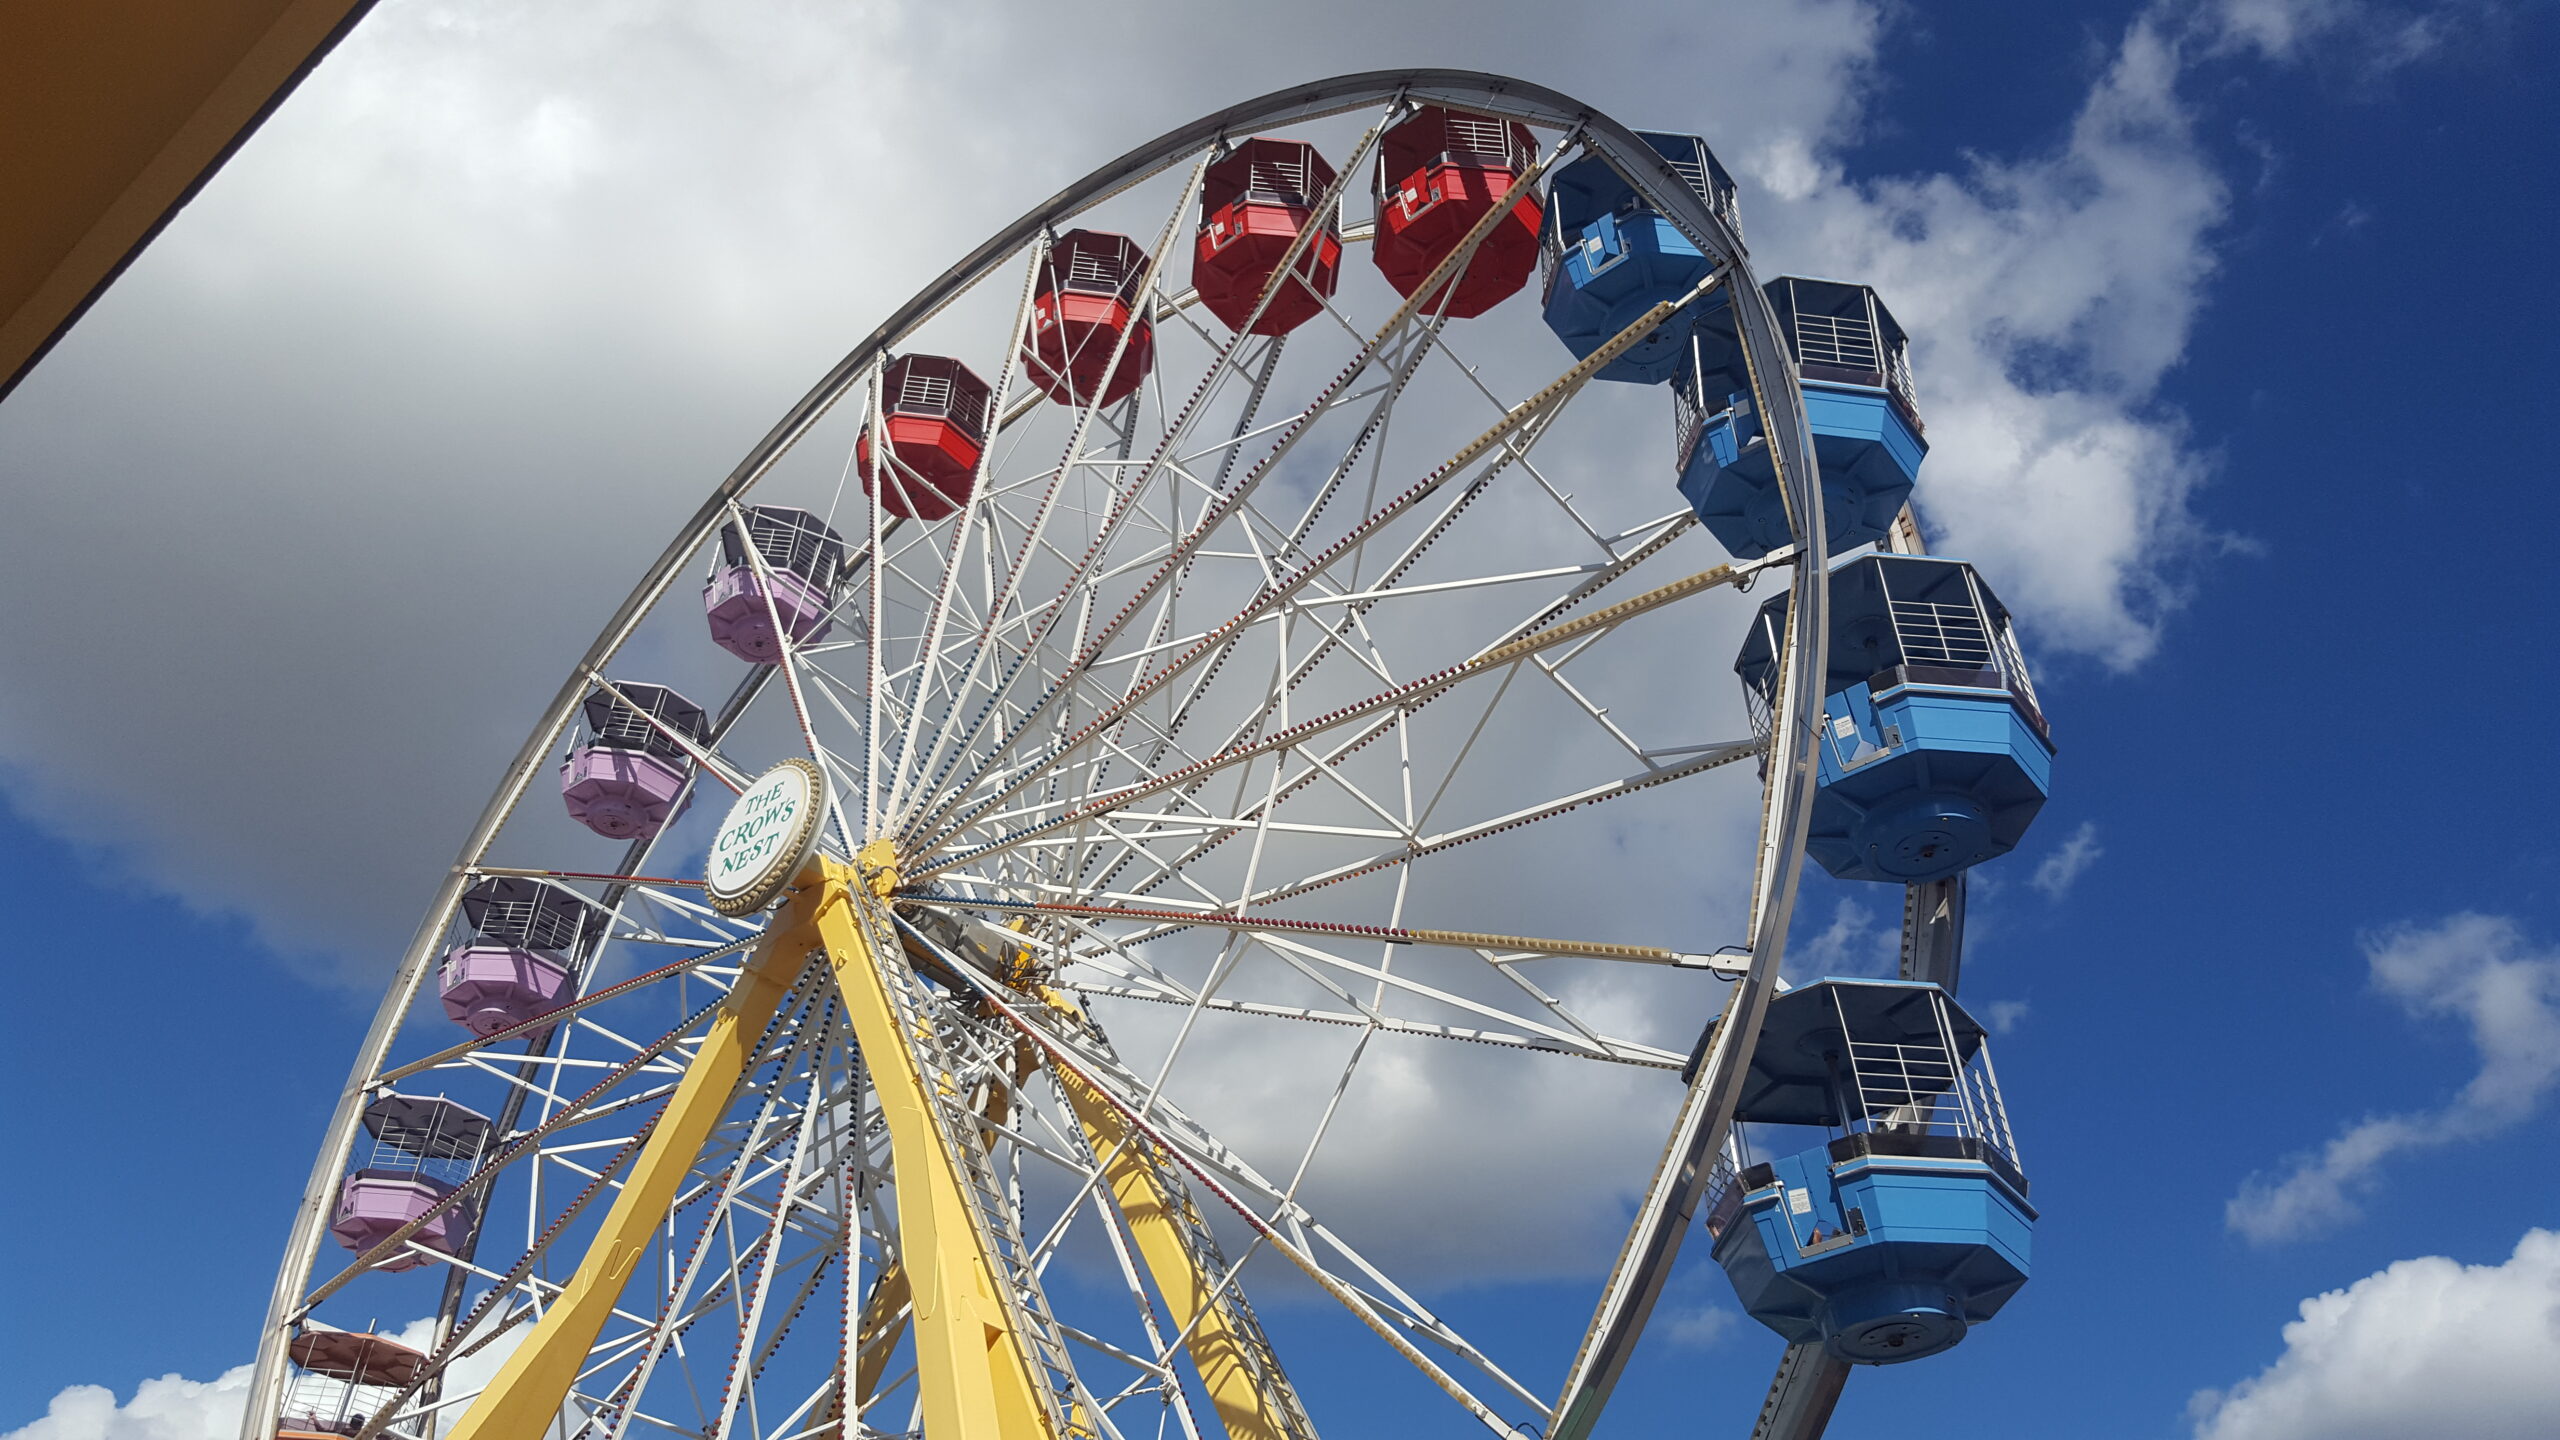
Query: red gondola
[
  {"x": 1253, "y": 205},
  {"x": 1087, "y": 298},
  {"x": 1439, "y": 172},
  {"x": 935, "y": 414}
]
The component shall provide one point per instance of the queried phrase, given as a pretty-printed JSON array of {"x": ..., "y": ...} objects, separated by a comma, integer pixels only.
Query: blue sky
[{"x": 2298, "y": 739}]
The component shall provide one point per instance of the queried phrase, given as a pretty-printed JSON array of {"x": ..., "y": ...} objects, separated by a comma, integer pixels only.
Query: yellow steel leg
[
  {"x": 972, "y": 1371},
  {"x": 530, "y": 1388},
  {"x": 1252, "y": 1397},
  {"x": 885, "y": 1310},
  {"x": 884, "y": 1319}
]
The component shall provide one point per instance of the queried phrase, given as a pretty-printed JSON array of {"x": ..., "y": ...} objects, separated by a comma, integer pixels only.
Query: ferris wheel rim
[{"x": 1789, "y": 789}]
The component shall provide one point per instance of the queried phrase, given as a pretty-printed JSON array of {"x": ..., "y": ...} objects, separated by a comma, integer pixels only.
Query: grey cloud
[{"x": 314, "y": 507}]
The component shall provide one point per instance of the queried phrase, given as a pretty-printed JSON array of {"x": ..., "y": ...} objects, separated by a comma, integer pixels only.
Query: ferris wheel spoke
[
  {"x": 1140, "y": 1106},
  {"x": 1596, "y": 714},
  {"x": 1405, "y": 314},
  {"x": 872, "y": 684},
  {"x": 1536, "y": 410},
  {"x": 1571, "y": 1035},
  {"x": 751, "y": 1154},
  {"x": 721, "y": 770},
  {"x": 1397, "y": 825},
  {"x": 1450, "y": 839},
  {"x": 516, "y": 1149},
  {"x": 755, "y": 1162},
  {"x": 1651, "y": 759},
  {"x": 751, "y": 1314},
  {"x": 550, "y": 1018},
  {"x": 788, "y": 662},
  {"x": 1158, "y": 922},
  {"x": 1233, "y": 446},
  {"x": 1475, "y": 381},
  {"x": 1609, "y": 573},
  {"x": 833, "y": 689},
  {"x": 1396, "y": 698},
  {"x": 1075, "y": 447},
  {"x": 978, "y": 514},
  {"x": 1366, "y": 1020}
]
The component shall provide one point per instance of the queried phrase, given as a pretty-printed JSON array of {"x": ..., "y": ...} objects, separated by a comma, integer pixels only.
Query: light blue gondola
[
  {"x": 1934, "y": 753},
  {"x": 1609, "y": 257},
  {"x": 1911, "y": 1224},
  {"x": 1867, "y": 436}
]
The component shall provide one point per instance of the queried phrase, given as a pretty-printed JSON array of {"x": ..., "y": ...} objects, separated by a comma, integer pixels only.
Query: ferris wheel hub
[
  {"x": 767, "y": 839},
  {"x": 878, "y": 865}
]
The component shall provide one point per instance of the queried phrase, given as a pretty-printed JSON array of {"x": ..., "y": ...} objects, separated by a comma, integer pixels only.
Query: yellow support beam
[
  {"x": 884, "y": 1319},
  {"x": 884, "y": 1312},
  {"x": 531, "y": 1387},
  {"x": 1159, "y": 1215},
  {"x": 972, "y": 1371}
]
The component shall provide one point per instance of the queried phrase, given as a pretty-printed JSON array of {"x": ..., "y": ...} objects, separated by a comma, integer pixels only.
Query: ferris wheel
[{"x": 1144, "y": 684}]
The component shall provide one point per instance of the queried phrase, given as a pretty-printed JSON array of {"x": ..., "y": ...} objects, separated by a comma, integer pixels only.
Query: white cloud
[
  {"x": 1700, "y": 1327},
  {"x": 169, "y": 1408},
  {"x": 2478, "y": 969},
  {"x": 2275, "y": 27},
  {"x": 1854, "y": 943},
  {"x": 2058, "y": 871},
  {"x": 2377, "y": 36},
  {"x": 176, "y": 1408},
  {"x": 2423, "y": 1348},
  {"x": 2048, "y": 295},
  {"x": 2003, "y": 1016}
]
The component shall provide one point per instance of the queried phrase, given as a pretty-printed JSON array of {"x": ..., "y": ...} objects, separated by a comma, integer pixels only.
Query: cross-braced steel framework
[{"x": 1166, "y": 732}]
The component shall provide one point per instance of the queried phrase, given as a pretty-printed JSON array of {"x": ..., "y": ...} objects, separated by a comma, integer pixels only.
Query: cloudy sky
[{"x": 2227, "y": 317}]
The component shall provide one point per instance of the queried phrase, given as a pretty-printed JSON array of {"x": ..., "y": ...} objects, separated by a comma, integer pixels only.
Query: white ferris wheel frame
[{"x": 1716, "y": 1070}]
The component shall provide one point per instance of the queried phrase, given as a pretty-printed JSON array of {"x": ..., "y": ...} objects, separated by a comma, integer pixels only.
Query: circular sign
[{"x": 767, "y": 836}]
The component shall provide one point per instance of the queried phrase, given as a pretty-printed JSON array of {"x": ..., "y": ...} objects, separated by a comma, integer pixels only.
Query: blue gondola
[
  {"x": 1609, "y": 257},
  {"x": 1934, "y": 753},
  {"x": 1911, "y": 1224},
  {"x": 1867, "y": 435}
]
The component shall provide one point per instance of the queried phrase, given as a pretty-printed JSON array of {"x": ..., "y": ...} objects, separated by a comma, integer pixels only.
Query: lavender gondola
[
  {"x": 516, "y": 963},
  {"x": 624, "y": 776},
  {"x": 802, "y": 557},
  {"x": 423, "y": 1149}
]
